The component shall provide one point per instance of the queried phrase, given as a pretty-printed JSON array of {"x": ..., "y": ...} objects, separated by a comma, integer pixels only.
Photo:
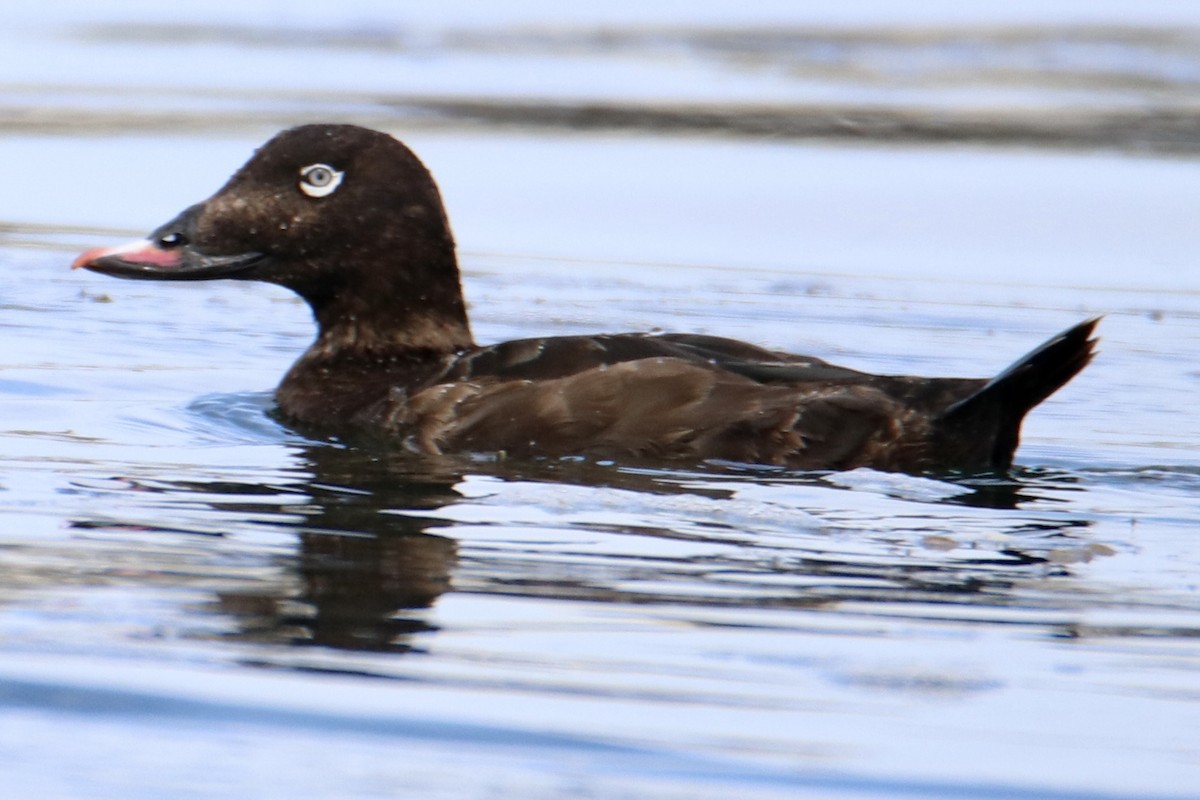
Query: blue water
[{"x": 196, "y": 601}]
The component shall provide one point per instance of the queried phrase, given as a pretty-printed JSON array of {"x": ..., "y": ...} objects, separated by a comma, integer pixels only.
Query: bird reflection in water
[
  {"x": 365, "y": 576},
  {"x": 362, "y": 579},
  {"x": 370, "y": 564}
]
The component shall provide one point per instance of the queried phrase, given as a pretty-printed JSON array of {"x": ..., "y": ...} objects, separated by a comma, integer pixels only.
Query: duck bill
[{"x": 146, "y": 259}]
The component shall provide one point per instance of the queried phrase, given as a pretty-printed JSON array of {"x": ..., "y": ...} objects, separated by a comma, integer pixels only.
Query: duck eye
[{"x": 319, "y": 180}]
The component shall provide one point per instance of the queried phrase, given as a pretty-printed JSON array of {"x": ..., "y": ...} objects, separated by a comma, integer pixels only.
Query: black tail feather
[{"x": 996, "y": 409}]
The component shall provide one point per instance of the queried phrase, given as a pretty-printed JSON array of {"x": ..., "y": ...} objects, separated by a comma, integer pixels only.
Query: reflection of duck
[
  {"x": 352, "y": 221},
  {"x": 360, "y": 569},
  {"x": 372, "y": 558}
]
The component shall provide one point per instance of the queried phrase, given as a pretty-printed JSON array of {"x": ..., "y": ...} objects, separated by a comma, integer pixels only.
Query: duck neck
[
  {"x": 414, "y": 307},
  {"x": 429, "y": 327},
  {"x": 389, "y": 333}
]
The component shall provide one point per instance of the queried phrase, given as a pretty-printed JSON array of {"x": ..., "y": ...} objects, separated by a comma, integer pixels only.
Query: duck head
[{"x": 348, "y": 218}]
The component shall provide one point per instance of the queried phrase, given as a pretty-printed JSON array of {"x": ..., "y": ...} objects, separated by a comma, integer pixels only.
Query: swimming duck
[{"x": 352, "y": 221}]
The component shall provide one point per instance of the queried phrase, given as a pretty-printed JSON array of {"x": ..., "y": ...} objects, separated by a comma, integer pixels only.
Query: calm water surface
[{"x": 197, "y": 601}]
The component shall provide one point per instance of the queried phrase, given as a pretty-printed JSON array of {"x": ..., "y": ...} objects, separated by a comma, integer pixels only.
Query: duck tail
[{"x": 991, "y": 416}]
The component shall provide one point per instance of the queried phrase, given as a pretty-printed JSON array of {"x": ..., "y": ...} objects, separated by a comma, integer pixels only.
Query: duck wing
[
  {"x": 559, "y": 356},
  {"x": 653, "y": 397}
]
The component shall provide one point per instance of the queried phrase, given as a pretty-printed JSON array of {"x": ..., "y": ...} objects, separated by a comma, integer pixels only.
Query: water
[{"x": 196, "y": 601}]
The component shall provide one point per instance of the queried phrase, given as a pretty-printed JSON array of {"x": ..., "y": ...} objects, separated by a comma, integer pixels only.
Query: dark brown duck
[{"x": 351, "y": 221}]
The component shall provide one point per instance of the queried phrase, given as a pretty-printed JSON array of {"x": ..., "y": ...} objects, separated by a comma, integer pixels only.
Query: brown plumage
[{"x": 352, "y": 221}]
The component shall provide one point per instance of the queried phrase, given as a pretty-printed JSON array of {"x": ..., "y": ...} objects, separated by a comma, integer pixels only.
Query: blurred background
[{"x": 196, "y": 601}]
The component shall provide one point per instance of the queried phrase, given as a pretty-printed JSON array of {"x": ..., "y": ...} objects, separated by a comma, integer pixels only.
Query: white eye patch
[{"x": 320, "y": 180}]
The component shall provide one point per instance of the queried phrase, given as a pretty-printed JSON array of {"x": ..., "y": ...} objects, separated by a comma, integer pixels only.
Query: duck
[{"x": 353, "y": 222}]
